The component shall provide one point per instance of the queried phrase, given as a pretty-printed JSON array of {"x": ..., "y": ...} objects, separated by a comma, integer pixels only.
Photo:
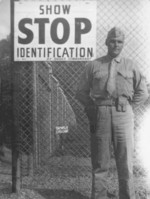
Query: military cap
[{"x": 115, "y": 32}]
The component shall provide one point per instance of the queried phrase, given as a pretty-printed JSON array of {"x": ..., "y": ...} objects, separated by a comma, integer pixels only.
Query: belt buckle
[{"x": 111, "y": 99}]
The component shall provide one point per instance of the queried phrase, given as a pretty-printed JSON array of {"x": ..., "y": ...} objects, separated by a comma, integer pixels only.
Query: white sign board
[
  {"x": 50, "y": 30},
  {"x": 61, "y": 129}
]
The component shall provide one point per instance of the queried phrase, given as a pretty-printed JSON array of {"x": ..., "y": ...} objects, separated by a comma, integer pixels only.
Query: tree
[{"x": 5, "y": 47}]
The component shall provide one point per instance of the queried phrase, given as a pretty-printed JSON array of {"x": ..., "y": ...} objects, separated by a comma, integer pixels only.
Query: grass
[{"x": 67, "y": 178}]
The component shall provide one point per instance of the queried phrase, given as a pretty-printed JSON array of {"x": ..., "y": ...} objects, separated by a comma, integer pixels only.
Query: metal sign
[
  {"x": 61, "y": 129},
  {"x": 50, "y": 30}
]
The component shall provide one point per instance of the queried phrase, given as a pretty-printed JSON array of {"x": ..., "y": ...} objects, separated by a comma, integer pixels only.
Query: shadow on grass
[{"x": 60, "y": 194}]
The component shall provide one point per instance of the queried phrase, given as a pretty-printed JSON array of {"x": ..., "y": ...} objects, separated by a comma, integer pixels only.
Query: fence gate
[{"x": 53, "y": 135}]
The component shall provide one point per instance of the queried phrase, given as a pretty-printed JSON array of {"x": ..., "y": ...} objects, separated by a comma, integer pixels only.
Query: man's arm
[
  {"x": 140, "y": 88},
  {"x": 84, "y": 86},
  {"x": 83, "y": 95}
]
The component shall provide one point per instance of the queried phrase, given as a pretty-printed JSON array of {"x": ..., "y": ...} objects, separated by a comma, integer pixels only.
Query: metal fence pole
[
  {"x": 15, "y": 152},
  {"x": 35, "y": 120}
]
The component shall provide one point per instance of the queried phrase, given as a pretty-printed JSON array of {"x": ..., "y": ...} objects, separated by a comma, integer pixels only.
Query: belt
[{"x": 105, "y": 102}]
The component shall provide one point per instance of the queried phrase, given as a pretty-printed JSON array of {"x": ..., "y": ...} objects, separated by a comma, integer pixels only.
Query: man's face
[{"x": 115, "y": 45}]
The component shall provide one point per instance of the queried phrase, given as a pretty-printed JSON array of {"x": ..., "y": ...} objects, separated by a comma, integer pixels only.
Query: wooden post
[{"x": 15, "y": 151}]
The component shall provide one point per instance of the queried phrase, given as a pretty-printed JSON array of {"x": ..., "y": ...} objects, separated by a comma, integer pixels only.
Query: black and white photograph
[{"x": 74, "y": 99}]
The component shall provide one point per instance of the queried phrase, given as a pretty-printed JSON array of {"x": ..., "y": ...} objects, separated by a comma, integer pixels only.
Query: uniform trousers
[{"x": 115, "y": 128}]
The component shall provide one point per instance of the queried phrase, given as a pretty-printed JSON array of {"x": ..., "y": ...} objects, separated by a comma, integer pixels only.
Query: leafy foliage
[{"x": 5, "y": 47}]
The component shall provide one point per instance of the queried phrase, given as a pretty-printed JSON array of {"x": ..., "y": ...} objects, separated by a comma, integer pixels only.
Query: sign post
[{"x": 15, "y": 151}]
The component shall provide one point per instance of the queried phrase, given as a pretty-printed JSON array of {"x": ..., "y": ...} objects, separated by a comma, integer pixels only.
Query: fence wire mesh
[
  {"x": 5, "y": 120},
  {"x": 44, "y": 99}
]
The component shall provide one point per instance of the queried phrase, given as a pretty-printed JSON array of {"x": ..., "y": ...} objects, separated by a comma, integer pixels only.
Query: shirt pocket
[
  {"x": 126, "y": 76},
  {"x": 99, "y": 80},
  {"x": 98, "y": 75},
  {"x": 125, "y": 83}
]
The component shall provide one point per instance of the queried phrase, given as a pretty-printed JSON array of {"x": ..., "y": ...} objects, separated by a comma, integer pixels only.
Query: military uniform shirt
[{"x": 129, "y": 81}]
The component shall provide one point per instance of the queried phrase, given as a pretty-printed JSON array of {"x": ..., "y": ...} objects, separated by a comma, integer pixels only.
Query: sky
[{"x": 4, "y": 18}]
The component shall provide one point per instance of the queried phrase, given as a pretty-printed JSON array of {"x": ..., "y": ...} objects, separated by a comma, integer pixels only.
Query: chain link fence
[
  {"x": 5, "y": 121},
  {"x": 53, "y": 150},
  {"x": 52, "y": 129}
]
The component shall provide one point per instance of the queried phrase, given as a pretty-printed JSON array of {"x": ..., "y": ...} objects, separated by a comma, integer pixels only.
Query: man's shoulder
[
  {"x": 129, "y": 63},
  {"x": 127, "y": 60},
  {"x": 100, "y": 59},
  {"x": 95, "y": 62}
]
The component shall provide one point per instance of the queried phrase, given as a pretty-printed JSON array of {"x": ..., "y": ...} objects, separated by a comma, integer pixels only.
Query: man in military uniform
[{"x": 110, "y": 88}]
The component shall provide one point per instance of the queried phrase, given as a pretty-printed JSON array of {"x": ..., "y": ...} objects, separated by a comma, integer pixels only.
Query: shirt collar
[{"x": 117, "y": 59}]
